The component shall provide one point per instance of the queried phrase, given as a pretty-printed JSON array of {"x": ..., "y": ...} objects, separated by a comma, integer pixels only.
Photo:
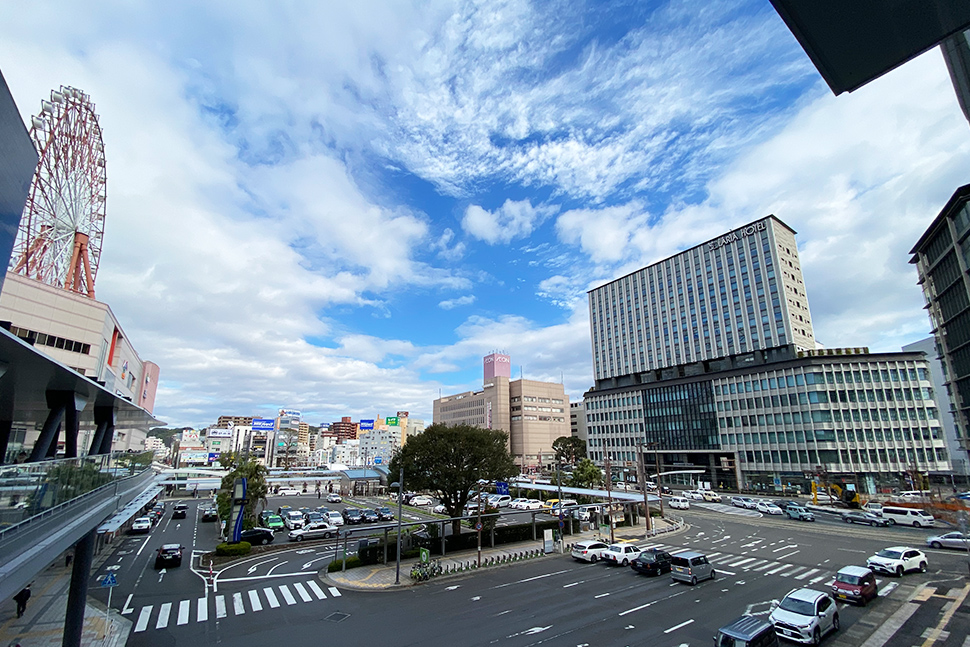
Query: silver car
[{"x": 949, "y": 540}]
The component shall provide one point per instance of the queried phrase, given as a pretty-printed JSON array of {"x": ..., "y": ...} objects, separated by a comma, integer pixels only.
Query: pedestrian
[{"x": 21, "y": 600}]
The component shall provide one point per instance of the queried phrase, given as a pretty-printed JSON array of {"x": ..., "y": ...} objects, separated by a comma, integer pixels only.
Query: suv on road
[
  {"x": 652, "y": 562},
  {"x": 856, "y": 584},
  {"x": 690, "y": 567},
  {"x": 169, "y": 555},
  {"x": 805, "y": 615},
  {"x": 898, "y": 560},
  {"x": 800, "y": 513},
  {"x": 747, "y": 631},
  {"x": 179, "y": 510}
]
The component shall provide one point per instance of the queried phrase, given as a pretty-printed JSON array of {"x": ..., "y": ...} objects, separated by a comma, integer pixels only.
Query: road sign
[
  {"x": 501, "y": 487},
  {"x": 562, "y": 524},
  {"x": 109, "y": 581},
  {"x": 378, "y": 460},
  {"x": 478, "y": 526},
  {"x": 425, "y": 555}
]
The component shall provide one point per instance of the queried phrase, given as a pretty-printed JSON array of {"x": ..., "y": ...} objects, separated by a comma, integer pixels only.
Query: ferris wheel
[{"x": 59, "y": 240}]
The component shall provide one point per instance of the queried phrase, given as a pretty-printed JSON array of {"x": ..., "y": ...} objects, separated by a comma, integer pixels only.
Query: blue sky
[{"x": 340, "y": 208}]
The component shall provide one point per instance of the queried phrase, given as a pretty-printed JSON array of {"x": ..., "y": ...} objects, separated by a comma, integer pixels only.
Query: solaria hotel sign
[{"x": 737, "y": 235}]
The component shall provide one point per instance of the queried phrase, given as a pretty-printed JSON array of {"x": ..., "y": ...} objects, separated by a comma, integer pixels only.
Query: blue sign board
[
  {"x": 366, "y": 424},
  {"x": 263, "y": 424},
  {"x": 377, "y": 460},
  {"x": 501, "y": 487},
  {"x": 214, "y": 457},
  {"x": 109, "y": 581}
]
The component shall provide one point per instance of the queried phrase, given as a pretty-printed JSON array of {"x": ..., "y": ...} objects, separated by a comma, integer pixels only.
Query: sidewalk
[
  {"x": 42, "y": 625},
  {"x": 382, "y": 576}
]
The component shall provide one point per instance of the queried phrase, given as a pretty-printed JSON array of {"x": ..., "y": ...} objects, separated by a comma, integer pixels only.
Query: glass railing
[{"x": 28, "y": 489}]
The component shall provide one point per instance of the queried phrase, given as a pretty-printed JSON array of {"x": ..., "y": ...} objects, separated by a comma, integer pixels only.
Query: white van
[{"x": 908, "y": 517}]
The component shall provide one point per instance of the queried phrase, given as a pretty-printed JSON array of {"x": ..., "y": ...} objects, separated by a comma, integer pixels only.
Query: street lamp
[
  {"x": 400, "y": 503},
  {"x": 642, "y": 468}
]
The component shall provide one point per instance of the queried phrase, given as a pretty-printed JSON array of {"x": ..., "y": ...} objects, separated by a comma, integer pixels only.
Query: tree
[
  {"x": 586, "y": 474},
  {"x": 449, "y": 460},
  {"x": 569, "y": 449},
  {"x": 256, "y": 488}
]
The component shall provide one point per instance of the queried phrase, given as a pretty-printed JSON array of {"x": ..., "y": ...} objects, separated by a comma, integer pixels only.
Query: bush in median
[
  {"x": 233, "y": 550},
  {"x": 337, "y": 564}
]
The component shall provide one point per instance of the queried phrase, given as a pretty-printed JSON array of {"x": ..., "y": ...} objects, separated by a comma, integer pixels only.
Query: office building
[
  {"x": 533, "y": 413},
  {"x": 577, "y": 420},
  {"x": 942, "y": 258}
]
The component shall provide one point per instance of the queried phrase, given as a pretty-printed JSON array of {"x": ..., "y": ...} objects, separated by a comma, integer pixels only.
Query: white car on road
[
  {"x": 898, "y": 560},
  {"x": 678, "y": 502},
  {"x": 694, "y": 495},
  {"x": 288, "y": 491},
  {"x": 421, "y": 500},
  {"x": 768, "y": 508},
  {"x": 805, "y": 615},
  {"x": 516, "y": 504},
  {"x": 141, "y": 524},
  {"x": 589, "y": 551},
  {"x": 621, "y": 554},
  {"x": 318, "y": 530}
]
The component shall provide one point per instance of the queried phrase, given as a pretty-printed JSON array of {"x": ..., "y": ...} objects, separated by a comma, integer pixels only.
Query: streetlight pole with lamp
[{"x": 400, "y": 504}]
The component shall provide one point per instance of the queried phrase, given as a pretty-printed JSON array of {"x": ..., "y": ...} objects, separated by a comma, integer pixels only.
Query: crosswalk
[
  {"x": 231, "y": 605},
  {"x": 727, "y": 564}
]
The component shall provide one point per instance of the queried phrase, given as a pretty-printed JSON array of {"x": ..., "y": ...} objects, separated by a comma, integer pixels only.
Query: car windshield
[
  {"x": 616, "y": 548},
  {"x": 648, "y": 557},
  {"x": 889, "y": 554},
  {"x": 801, "y": 607},
  {"x": 845, "y": 578}
]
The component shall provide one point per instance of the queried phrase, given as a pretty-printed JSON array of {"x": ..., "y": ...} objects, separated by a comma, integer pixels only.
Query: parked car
[
  {"x": 258, "y": 536},
  {"x": 805, "y": 615},
  {"x": 898, "y": 560},
  {"x": 652, "y": 562},
  {"x": 313, "y": 531},
  {"x": 370, "y": 516},
  {"x": 679, "y": 503},
  {"x": 141, "y": 524},
  {"x": 314, "y": 517},
  {"x": 747, "y": 630},
  {"x": 767, "y": 507},
  {"x": 908, "y": 517},
  {"x": 588, "y": 551},
  {"x": 499, "y": 500},
  {"x": 710, "y": 496},
  {"x": 283, "y": 509},
  {"x": 690, "y": 567},
  {"x": 621, "y": 554},
  {"x": 532, "y": 504},
  {"x": 334, "y": 518},
  {"x": 516, "y": 504},
  {"x": 855, "y": 584},
  {"x": 288, "y": 491},
  {"x": 873, "y": 507},
  {"x": 800, "y": 513},
  {"x": 333, "y": 497},
  {"x": 693, "y": 495},
  {"x": 949, "y": 540},
  {"x": 168, "y": 556},
  {"x": 179, "y": 510},
  {"x": 210, "y": 513},
  {"x": 274, "y": 522},
  {"x": 384, "y": 514},
  {"x": 421, "y": 500},
  {"x": 858, "y": 516},
  {"x": 440, "y": 509},
  {"x": 352, "y": 516},
  {"x": 665, "y": 490},
  {"x": 293, "y": 520}
]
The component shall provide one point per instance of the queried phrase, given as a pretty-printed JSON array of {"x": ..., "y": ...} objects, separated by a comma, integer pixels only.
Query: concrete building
[
  {"x": 577, "y": 420},
  {"x": 533, "y": 413},
  {"x": 377, "y": 446},
  {"x": 942, "y": 259},
  {"x": 346, "y": 453},
  {"x": 344, "y": 430},
  {"x": 958, "y": 456}
]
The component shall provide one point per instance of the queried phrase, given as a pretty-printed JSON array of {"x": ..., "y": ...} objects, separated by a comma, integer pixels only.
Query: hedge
[
  {"x": 233, "y": 550},
  {"x": 337, "y": 564}
]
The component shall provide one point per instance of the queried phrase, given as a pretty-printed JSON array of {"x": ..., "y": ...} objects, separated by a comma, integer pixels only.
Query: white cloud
[
  {"x": 450, "y": 304},
  {"x": 514, "y": 219}
]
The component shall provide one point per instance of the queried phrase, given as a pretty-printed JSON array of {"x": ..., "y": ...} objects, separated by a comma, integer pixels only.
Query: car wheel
[
  {"x": 936, "y": 544},
  {"x": 892, "y": 522},
  {"x": 693, "y": 580},
  {"x": 626, "y": 562},
  {"x": 593, "y": 559},
  {"x": 872, "y": 523},
  {"x": 863, "y": 601},
  {"x": 916, "y": 524},
  {"x": 922, "y": 567},
  {"x": 835, "y": 622},
  {"x": 299, "y": 537},
  {"x": 816, "y": 636},
  {"x": 713, "y": 574},
  {"x": 899, "y": 571},
  {"x": 264, "y": 541}
]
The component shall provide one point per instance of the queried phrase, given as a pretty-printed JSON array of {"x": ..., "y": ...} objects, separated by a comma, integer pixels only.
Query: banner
[
  {"x": 366, "y": 424},
  {"x": 220, "y": 433},
  {"x": 392, "y": 421},
  {"x": 263, "y": 424}
]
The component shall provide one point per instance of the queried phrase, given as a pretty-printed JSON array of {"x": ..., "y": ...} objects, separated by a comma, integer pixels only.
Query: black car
[
  {"x": 314, "y": 517},
  {"x": 179, "y": 511},
  {"x": 370, "y": 516},
  {"x": 652, "y": 562},
  {"x": 385, "y": 514},
  {"x": 169, "y": 555},
  {"x": 257, "y": 536},
  {"x": 210, "y": 514},
  {"x": 858, "y": 516},
  {"x": 352, "y": 516}
]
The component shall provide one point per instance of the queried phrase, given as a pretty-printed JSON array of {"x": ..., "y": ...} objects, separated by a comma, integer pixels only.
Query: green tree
[
  {"x": 586, "y": 474},
  {"x": 449, "y": 460},
  {"x": 569, "y": 449},
  {"x": 256, "y": 489}
]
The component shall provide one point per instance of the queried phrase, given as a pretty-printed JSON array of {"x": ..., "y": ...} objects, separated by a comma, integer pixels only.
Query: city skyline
[{"x": 315, "y": 210}]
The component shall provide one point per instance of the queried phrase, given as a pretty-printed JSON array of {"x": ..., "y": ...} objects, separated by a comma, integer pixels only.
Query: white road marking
[
  {"x": 676, "y": 627},
  {"x": 184, "y": 607},
  {"x": 287, "y": 595},
  {"x": 203, "y": 610},
  {"x": 816, "y": 580},
  {"x": 713, "y": 555},
  {"x": 270, "y": 571},
  {"x": 334, "y": 592},
  {"x": 757, "y": 562},
  {"x": 317, "y": 591},
  {"x": 889, "y": 588},
  {"x": 254, "y": 600},
  {"x": 796, "y": 569},
  {"x": 768, "y": 565},
  {"x": 142, "y": 624},
  {"x": 778, "y": 550},
  {"x": 739, "y": 563},
  {"x": 144, "y": 543},
  {"x": 452, "y": 588},
  {"x": 601, "y": 595},
  {"x": 237, "y": 604},
  {"x": 723, "y": 572},
  {"x": 566, "y": 586},
  {"x": 163, "y": 612},
  {"x": 302, "y": 591},
  {"x": 789, "y": 554},
  {"x": 780, "y": 568},
  {"x": 220, "y": 606},
  {"x": 271, "y": 598},
  {"x": 806, "y": 574},
  {"x": 125, "y": 610}
]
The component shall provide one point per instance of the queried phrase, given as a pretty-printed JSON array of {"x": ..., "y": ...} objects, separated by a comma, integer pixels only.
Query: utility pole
[
  {"x": 609, "y": 496},
  {"x": 660, "y": 488},
  {"x": 561, "y": 514},
  {"x": 641, "y": 470}
]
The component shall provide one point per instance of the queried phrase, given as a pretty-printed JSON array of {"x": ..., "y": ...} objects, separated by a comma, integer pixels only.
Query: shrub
[
  {"x": 337, "y": 564},
  {"x": 233, "y": 550}
]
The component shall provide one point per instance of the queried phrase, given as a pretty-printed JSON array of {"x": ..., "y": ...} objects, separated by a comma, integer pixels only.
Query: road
[{"x": 550, "y": 601}]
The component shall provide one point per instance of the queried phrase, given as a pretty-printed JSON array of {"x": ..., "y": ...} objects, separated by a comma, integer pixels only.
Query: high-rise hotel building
[{"x": 709, "y": 357}]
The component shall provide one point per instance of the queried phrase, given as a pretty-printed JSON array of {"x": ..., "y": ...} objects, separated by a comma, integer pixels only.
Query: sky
[{"x": 340, "y": 208}]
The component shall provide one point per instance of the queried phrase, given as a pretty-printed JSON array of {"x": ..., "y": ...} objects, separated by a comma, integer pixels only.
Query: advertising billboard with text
[
  {"x": 366, "y": 424},
  {"x": 263, "y": 424}
]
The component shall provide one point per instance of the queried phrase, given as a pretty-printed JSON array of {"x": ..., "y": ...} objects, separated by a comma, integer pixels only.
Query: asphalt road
[{"x": 555, "y": 600}]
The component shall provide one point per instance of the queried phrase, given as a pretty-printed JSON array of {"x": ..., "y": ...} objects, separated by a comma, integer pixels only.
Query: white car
[
  {"x": 898, "y": 560},
  {"x": 319, "y": 530},
  {"x": 333, "y": 497},
  {"x": 334, "y": 518},
  {"x": 293, "y": 519},
  {"x": 288, "y": 491},
  {"x": 141, "y": 524},
  {"x": 679, "y": 503},
  {"x": 694, "y": 495},
  {"x": 532, "y": 504},
  {"x": 949, "y": 540},
  {"x": 421, "y": 500},
  {"x": 516, "y": 504},
  {"x": 621, "y": 554},
  {"x": 713, "y": 497},
  {"x": 588, "y": 551},
  {"x": 439, "y": 509},
  {"x": 805, "y": 615},
  {"x": 499, "y": 500},
  {"x": 767, "y": 508}
]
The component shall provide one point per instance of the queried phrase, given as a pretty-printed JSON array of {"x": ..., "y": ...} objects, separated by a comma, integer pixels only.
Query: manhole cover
[{"x": 337, "y": 617}]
